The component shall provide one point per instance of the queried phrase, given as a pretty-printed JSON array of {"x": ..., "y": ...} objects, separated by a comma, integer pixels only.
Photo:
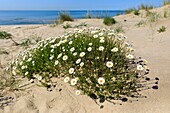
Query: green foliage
[
  {"x": 161, "y": 29},
  {"x": 142, "y": 22},
  {"x": 109, "y": 21},
  {"x": 136, "y": 12},
  {"x": 152, "y": 16},
  {"x": 166, "y": 14},
  {"x": 166, "y": 2},
  {"x": 119, "y": 29},
  {"x": 67, "y": 26},
  {"x": 83, "y": 24},
  {"x": 145, "y": 7},
  {"x": 65, "y": 17},
  {"x": 97, "y": 62},
  {"x": 128, "y": 11},
  {"x": 5, "y": 35}
]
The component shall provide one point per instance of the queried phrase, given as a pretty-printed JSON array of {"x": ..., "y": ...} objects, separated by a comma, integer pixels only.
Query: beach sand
[{"x": 148, "y": 44}]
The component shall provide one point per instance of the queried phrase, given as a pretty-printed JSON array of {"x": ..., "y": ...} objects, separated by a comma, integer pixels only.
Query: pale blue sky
[{"x": 73, "y": 4}]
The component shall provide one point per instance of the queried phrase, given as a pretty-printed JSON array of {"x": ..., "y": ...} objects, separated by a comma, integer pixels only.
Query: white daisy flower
[
  {"x": 89, "y": 49},
  {"x": 95, "y": 36},
  {"x": 52, "y": 50},
  {"x": 78, "y": 92},
  {"x": 21, "y": 63},
  {"x": 56, "y": 62},
  {"x": 101, "y": 34},
  {"x": 29, "y": 59},
  {"x": 82, "y": 64},
  {"x": 59, "y": 55},
  {"x": 71, "y": 70},
  {"x": 140, "y": 67},
  {"x": 51, "y": 57},
  {"x": 26, "y": 73},
  {"x": 93, "y": 32},
  {"x": 77, "y": 78},
  {"x": 109, "y": 64},
  {"x": 90, "y": 44},
  {"x": 33, "y": 63},
  {"x": 101, "y": 80},
  {"x": 111, "y": 33},
  {"x": 72, "y": 49},
  {"x": 65, "y": 57},
  {"x": 82, "y": 54},
  {"x": 101, "y": 38},
  {"x": 102, "y": 41},
  {"x": 129, "y": 56},
  {"x": 67, "y": 79},
  {"x": 115, "y": 49},
  {"x": 73, "y": 82},
  {"x": 70, "y": 42},
  {"x": 74, "y": 54},
  {"x": 101, "y": 48},
  {"x": 80, "y": 31},
  {"x": 113, "y": 79},
  {"x": 39, "y": 78},
  {"x": 14, "y": 73},
  {"x": 23, "y": 67},
  {"x": 78, "y": 61},
  {"x": 31, "y": 81}
]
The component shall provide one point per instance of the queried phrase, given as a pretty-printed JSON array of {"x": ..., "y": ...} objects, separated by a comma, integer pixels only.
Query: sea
[{"x": 20, "y": 17}]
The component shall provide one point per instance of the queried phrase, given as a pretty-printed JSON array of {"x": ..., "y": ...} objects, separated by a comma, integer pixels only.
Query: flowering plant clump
[{"x": 97, "y": 62}]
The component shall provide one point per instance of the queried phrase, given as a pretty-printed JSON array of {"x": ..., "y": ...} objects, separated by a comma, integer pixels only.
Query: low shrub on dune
[
  {"x": 109, "y": 21},
  {"x": 96, "y": 62},
  {"x": 63, "y": 16}
]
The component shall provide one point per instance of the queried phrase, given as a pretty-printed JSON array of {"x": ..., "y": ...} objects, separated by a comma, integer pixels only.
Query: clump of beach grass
[
  {"x": 166, "y": 2},
  {"x": 153, "y": 16},
  {"x": 109, "y": 21},
  {"x": 161, "y": 29},
  {"x": 6, "y": 35},
  {"x": 145, "y": 7},
  {"x": 96, "y": 62},
  {"x": 63, "y": 16},
  {"x": 119, "y": 28},
  {"x": 141, "y": 23}
]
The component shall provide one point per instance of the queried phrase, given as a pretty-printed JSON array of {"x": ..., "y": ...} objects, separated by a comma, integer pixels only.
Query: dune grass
[
  {"x": 6, "y": 35},
  {"x": 109, "y": 21},
  {"x": 145, "y": 7},
  {"x": 161, "y": 29},
  {"x": 166, "y": 2},
  {"x": 63, "y": 16}
]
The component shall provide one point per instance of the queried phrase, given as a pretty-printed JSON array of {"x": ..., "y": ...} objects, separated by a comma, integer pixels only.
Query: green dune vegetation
[{"x": 97, "y": 62}]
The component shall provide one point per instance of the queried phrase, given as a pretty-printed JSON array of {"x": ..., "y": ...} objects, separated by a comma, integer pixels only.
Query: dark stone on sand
[
  {"x": 101, "y": 107},
  {"x": 60, "y": 90},
  {"x": 156, "y": 78},
  {"x": 124, "y": 99},
  {"x": 154, "y": 87},
  {"x": 102, "y": 100},
  {"x": 148, "y": 79}
]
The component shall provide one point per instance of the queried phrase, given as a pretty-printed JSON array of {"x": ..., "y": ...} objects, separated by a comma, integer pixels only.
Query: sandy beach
[{"x": 148, "y": 43}]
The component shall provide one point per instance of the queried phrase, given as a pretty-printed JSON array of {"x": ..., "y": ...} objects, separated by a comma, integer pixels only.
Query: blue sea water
[{"x": 47, "y": 17}]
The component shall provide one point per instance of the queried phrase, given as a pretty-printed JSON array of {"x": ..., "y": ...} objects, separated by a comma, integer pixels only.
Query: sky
[{"x": 74, "y": 4}]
